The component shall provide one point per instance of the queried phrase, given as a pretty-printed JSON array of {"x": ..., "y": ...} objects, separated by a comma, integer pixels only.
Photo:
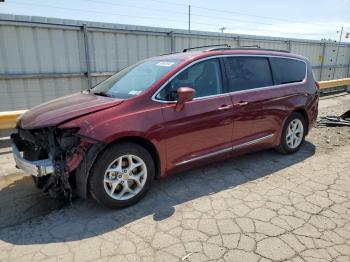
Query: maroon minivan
[{"x": 163, "y": 115}]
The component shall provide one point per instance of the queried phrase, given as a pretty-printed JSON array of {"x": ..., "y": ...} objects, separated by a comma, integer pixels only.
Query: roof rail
[
  {"x": 249, "y": 48},
  {"x": 197, "y": 47},
  {"x": 170, "y": 53},
  {"x": 228, "y": 47}
]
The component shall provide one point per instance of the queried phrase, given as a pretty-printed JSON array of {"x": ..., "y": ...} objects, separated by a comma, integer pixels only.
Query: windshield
[{"x": 134, "y": 79}]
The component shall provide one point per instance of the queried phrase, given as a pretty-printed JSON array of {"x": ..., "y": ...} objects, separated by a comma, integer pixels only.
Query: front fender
[
  {"x": 112, "y": 124},
  {"x": 83, "y": 170}
]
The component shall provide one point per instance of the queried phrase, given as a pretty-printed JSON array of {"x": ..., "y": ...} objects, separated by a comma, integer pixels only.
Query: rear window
[
  {"x": 287, "y": 70},
  {"x": 248, "y": 72}
]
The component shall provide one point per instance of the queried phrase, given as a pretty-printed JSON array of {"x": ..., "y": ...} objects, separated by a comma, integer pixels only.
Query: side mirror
[{"x": 184, "y": 94}]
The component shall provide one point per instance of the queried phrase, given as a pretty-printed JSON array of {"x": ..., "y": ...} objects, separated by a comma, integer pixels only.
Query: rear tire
[
  {"x": 121, "y": 175},
  {"x": 293, "y": 134}
]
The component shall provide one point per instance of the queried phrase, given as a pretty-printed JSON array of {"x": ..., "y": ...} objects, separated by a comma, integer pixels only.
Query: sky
[{"x": 306, "y": 19}]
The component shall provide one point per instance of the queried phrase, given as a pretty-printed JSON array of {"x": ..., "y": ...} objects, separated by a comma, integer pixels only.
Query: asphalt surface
[{"x": 259, "y": 207}]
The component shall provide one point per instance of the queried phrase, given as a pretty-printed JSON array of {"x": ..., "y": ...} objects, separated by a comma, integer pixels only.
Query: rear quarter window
[{"x": 286, "y": 70}]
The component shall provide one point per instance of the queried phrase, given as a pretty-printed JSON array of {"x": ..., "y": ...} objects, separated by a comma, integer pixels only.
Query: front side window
[
  {"x": 246, "y": 73},
  {"x": 204, "y": 77},
  {"x": 286, "y": 70},
  {"x": 134, "y": 79}
]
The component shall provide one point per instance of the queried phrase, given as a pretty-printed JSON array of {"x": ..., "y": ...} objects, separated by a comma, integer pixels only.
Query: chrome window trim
[
  {"x": 229, "y": 93},
  {"x": 220, "y": 151}
]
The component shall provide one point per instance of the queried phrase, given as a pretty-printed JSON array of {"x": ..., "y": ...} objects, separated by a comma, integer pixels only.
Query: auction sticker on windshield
[
  {"x": 134, "y": 92},
  {"x": 167, "y": 64}
]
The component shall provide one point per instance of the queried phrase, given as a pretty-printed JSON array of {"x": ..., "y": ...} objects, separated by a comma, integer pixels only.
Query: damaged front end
[{"x": 50, "y": 155}]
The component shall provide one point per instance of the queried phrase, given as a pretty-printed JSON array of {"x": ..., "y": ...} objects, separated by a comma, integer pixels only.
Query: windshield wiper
[{"x": 101, "y": 94}]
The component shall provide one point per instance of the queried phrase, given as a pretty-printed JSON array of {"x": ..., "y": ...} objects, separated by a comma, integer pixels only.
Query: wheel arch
[
  {"x": 299, "y": 110},
  {"x": 83, "y": 172},
  {"x": 145, "y": 143},
  {"x": 303, "y": 112}
]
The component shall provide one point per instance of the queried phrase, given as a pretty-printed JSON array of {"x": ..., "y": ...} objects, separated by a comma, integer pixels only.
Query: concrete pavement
[{"x": 259, "y": 207}]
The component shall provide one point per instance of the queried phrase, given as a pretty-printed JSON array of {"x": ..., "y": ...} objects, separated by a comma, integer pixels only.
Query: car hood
[{"x": 65, "y": 108}]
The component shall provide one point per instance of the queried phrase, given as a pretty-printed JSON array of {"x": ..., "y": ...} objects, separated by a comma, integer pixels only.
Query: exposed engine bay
[{"x": 63, "y": 147}]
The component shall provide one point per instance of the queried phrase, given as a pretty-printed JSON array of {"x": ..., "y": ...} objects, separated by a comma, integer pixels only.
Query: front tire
[
  {"x": 121, "y": 175},
  {"x": 293, "y": 134}
]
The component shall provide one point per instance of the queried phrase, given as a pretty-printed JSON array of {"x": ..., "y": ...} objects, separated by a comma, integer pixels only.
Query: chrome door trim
[
  {"x": 229, "y": 93},
  {"x": 221, "y": 151},
  {"x": 252, "y": 142}
]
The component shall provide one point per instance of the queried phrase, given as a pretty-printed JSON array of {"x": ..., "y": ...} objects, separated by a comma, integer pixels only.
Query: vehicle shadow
[
  {"x": 20, "y": 200},
  {"x": 85, "y": 219}
]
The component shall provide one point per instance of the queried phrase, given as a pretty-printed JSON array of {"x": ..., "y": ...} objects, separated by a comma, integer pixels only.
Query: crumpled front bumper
[{"x": 36, "y": 168}]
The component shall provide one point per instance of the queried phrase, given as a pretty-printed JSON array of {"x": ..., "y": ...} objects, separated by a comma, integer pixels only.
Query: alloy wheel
[
  {"x": 125, "y": 177},
  {"x": 295, "y": 133}
]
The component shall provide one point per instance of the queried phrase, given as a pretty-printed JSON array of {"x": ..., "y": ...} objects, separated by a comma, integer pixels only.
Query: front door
[{"x": 203, "y": 128}]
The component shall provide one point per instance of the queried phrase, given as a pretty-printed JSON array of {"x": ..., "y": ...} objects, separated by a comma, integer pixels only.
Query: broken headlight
[{"x": 68, "y": 139}]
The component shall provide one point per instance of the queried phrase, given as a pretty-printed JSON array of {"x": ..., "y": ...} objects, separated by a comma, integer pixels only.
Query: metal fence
[{"x": 44, "y": 58}]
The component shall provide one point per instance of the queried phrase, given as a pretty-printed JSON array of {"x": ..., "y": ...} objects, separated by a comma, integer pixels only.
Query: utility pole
[
  {"x": 189, "y": 25},
  {"x": 222, "y": 29},
  {"x": 189, "y": 18},
  {"x": 336, "y": 57}
]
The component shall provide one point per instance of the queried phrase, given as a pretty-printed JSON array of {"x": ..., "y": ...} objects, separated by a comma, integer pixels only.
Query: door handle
[
  {"x": 225, "y": 107},
  {"x": 242, "y": 103}
]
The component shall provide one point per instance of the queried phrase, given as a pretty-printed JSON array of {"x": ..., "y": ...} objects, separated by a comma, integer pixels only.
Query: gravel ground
[
  {"x": 328, "y": 138},
  {"x": 258, "y": 207}
]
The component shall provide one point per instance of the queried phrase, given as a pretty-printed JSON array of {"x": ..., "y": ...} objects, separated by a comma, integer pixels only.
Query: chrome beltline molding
[{"x": 221, "y": 151}]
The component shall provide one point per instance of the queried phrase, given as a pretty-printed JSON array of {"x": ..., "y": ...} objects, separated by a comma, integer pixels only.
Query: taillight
[{"x": 317, "y": 84}]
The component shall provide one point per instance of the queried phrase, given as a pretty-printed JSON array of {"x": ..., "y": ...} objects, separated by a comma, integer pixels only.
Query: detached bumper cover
[{"x": 37, "y": 168}]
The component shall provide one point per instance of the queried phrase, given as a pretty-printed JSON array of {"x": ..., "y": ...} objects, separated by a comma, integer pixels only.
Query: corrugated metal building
[{"x": 44, "y": 58}]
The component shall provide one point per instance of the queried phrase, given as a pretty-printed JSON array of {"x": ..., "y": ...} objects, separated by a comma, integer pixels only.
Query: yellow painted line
[
  {"x": 8, "y": 119},
  {"x": 334, "y": 83}
]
